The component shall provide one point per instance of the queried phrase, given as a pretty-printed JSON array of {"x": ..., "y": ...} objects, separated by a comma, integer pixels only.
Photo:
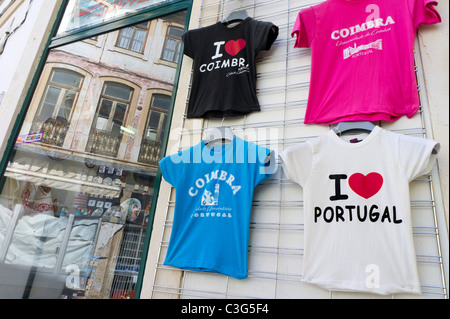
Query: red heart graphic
[
  {"x": 234, "y": 47},
  {"x": 366, "y": 186}
]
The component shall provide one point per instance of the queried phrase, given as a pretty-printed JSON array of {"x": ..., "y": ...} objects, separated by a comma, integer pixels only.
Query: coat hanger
[
  {"x": 344, "y": 127},
  {"x": 219, "y": 134},
  {"x": 234, "y": 16},
  {"x": 436, "y": 149}
]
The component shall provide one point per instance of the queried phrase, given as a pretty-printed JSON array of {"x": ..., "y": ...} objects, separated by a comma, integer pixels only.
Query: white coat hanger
[
  {"x": 436, "y": 149},
  {"x": 367, "y": 126},
  {"x": 344, "y": 127},
  {"x": 219, "y": 134},
  {"x": 235, "y": 16}
]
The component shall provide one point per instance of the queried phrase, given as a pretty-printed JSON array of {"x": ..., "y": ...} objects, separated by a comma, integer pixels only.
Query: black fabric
[{"x": 224, "y": 78}]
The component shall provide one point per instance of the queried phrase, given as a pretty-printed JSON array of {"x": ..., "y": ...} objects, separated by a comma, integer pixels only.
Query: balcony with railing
[
  {"x": 103, "y": 143},
  {"x": 150, "y": 152}
]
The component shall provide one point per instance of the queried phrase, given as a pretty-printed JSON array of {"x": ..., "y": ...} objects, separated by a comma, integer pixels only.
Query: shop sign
[
  {"x": 30, "y": 138},
  {"x": 83, "y": 13}
]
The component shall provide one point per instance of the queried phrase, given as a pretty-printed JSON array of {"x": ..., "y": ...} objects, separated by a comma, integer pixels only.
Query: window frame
[
  {"x": 163, "y": 124},
  {"x": 132, "y": 38},
  {"x": 153, "y": 108},
  {"x": 179, "y": 44},
  {"x": 115, "y": 101},
  {"x": 94, "y": 130},
  {"x": 64, "y": 88},
  {"x": 53, "y": 42}
]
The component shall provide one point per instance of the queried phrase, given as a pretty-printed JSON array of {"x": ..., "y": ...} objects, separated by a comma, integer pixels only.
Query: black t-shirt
[{"x": 224, "y": 77}]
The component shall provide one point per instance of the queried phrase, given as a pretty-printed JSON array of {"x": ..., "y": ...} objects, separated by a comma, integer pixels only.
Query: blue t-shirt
[{"x": 214, "y": 193}]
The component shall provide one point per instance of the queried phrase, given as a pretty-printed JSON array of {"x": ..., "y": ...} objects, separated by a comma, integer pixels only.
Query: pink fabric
[{"x": 362, "y": 58}]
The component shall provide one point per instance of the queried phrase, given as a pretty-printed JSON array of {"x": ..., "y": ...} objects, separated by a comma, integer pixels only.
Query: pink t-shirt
[{"x": 362, "y": 58}]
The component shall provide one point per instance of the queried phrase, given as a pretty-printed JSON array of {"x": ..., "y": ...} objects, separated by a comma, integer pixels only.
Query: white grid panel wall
[{"x": 276, "y": 232}]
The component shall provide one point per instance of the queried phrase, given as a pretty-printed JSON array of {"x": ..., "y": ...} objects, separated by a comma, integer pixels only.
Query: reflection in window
[
  {"x": 155, "y": 129},
  {"x": 74, "y": 219},
  {"x": 133, "y": 38},
  {"x": 106, "y": 133},
  {"x": 172, "y": 45},
  {"x": 55, "y": 110}
]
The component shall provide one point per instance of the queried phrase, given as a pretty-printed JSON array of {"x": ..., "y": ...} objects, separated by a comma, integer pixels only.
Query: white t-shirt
[{"x": 357, "y": 216}]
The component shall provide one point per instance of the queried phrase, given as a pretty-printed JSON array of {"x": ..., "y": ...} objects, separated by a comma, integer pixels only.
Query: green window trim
[
  {"x": 121, "y": 22},
  {"x": 53, "y": 42}
]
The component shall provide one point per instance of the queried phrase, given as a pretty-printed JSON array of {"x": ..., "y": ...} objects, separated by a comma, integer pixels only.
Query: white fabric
[
  {"x": 372, "y": 251},
  {"x": 37, "y": 240}
]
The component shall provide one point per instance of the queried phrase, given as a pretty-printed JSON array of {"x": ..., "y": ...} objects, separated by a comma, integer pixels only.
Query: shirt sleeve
[
  {"x": 266, "y": 165},
  {"x": 417, "y": 155},
  {"x": 304, "y": 28},
  {"x": 297, "y": 163},
  {"x": 424, "y": 12},
  {"x": 171, "y": 168},
  {"x": 187, "y": 38},
  {"x": 265, "y": 35}
]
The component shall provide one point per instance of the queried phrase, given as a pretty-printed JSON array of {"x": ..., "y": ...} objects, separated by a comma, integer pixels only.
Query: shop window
[
  {"x": 74, "y": 209},
  {"x": 127, "y": 266},
  {"x": 107, "y": 130},
  {"x": 133, "y": 38},
  {"x": 155, "y": 129},
  {"x": 54, "y": 113},
  {"x": 172, "y": 44}
]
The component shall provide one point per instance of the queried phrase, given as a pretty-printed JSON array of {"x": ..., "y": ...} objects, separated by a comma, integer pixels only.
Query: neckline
[
  {"x": 364, "y": 142},
  {"x": 238, "y": 26},
  {"x": 226, "y": 148},
  {"x": 352, "y": 2}
]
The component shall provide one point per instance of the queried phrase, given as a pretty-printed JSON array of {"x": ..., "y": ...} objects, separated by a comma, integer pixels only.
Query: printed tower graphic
[{"x": 208, "y": 199}]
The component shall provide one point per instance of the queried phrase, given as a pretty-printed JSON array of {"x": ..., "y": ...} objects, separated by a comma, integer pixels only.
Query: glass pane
[
  {"x": 65, "y": 109},
  {"x": 125, "y": 37},
  {"x": 102, "y": 124},
  {"x": 176, "y": 32},
  {"x": 49, "y": 104},
  {"x": 163, "y": 128},
  {"x": 139, "y": 39},
  {"x": 74, "y": 203},
  {"x": 177, "y": 53},
  {"x": 154, "y": 120},
  {"x": 67, "y": 78},
  {"x": 105, "y": 109},
  {"x": 119, "y": 114},
  {"x": 119, "y": 91},
  {"x": 84, "y": 13},
  {"x": 153, "y": 124},
  {"x": 157, "y": 122},
  {"x": 169, "y": 50},
  {"x": 161, "y": 102},
  {"x": 143, "y": 24}
]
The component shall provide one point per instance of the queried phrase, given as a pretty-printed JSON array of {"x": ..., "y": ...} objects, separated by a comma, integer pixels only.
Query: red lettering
[
  {"x": 103, "y": 6},
  {"x": 90, "y": 10}
]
